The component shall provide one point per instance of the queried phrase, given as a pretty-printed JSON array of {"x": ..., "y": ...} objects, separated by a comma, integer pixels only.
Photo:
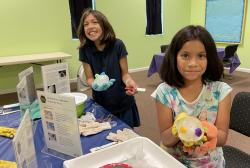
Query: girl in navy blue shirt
[{"x": 100, "y": 51}]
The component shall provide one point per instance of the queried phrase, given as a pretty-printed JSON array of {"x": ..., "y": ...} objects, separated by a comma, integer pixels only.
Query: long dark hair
[
  {"x": 169, "y": 72},
  {"x": 107, "y": 29}
]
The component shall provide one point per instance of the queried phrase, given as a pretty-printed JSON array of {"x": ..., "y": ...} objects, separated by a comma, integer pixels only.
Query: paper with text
[
  {"x": 26, "y": 89},
  {"x": 56, "y": 78},
  {"x": 23, "y": 144},
  {"x": 60, "y": 124}
]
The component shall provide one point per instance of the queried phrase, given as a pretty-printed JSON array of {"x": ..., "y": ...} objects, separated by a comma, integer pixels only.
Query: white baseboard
[
  {"x": 138, "y": 69},
  {"x": 243, "y": 70},
  {"x": 73, "y": 80}
]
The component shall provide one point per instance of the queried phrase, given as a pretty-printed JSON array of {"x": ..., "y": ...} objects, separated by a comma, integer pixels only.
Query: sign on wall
[{"x": 225, "y": 20}]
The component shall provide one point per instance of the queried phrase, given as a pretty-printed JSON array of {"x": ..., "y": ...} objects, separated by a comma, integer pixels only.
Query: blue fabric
[{"x": 12, "y": 120}]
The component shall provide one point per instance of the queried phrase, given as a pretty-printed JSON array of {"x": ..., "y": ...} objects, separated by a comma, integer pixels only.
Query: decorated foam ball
[
  {"x": 101, "y": 79},
  {"x": 189, "y": 129}
]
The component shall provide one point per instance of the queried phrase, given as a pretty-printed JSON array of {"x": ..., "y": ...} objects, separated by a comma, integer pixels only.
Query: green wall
[
  {"x": 129, "y": 21},
  {"x": 34, "y": 26},
  {"x": 198, "y": 17}
]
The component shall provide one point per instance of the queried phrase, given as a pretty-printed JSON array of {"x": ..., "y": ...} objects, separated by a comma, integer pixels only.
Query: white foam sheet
[{"x": 137, "y": 151}]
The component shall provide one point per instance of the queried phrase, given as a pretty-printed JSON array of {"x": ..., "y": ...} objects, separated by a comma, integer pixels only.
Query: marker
[{"x": 141, "y": 89}]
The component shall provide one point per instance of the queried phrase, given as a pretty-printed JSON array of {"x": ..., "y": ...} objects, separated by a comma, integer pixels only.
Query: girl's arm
[
  {"x": 165, "y": 121},
  {"x": 126, "y": 78},
  {"x": 88, "y": 73},
  {"x": 222, "y": 120}
]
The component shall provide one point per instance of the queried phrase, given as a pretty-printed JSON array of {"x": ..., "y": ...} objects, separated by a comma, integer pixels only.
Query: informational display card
[
  {"x": 26, "y": 89},
  {"x": 22, "y": 91},
  {"x": 60, "y": 124},
  {"x": 56, "y": 78},
  {"x": 23, "y": 144}
]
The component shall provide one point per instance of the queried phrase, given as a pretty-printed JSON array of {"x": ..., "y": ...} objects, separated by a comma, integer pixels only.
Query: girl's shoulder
[
  {"x": 163, "y": 89},
  {"x": 118, "y": 42},
  {"x": 221, "y": 89},
  {"x": 217, "y": 85},
  {"x": 166, "y": 94},
  {"x": 165, "y": 86},
  {"x": 119, "y": 47}
]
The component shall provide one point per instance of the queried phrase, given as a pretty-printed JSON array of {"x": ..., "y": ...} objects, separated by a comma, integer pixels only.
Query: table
[
  {"x": 158, "y": 59},
  {"x": 33, "y": 58},
  {"x": 45, "y": 160}
]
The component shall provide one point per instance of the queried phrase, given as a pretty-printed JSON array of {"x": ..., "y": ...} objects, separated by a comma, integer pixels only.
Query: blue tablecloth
[
  {"x": 45, "y": 160},
  {"x": 158, "y": 59}
]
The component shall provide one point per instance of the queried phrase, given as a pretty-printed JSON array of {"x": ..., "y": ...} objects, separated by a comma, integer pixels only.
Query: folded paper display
[
  {"x": 122, "y": 135},
  {"x": 90, "y": 128}
]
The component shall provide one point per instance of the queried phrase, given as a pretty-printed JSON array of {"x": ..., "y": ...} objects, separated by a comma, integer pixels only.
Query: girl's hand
[
  {"x": 102, "y": 86},
  {"x": 210, "y": 140},
  {"x": 130, "y": 91},
  {"x": 131, "y": 87}
]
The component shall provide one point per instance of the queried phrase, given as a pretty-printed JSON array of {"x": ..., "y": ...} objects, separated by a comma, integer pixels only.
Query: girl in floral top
[{"x": 191, "y": 71}]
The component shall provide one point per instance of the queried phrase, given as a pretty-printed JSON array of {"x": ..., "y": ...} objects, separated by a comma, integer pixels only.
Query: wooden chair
[{"x": 81, "y": 79}]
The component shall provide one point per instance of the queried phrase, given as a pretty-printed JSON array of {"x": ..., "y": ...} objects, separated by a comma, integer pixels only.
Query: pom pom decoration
[
  {"x": 101, "y": 79},
  {"x": 189, "y": 129},
  {"x": 198, "y": 137},
  {"x": 102, "y": 82}
]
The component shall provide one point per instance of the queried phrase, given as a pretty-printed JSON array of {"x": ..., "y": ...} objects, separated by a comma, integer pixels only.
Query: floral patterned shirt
[{"x": 205, "y": 107}]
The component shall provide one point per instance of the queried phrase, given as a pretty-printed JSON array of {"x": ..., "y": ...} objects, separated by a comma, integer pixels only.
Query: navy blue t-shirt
[{"x": 113, "y": 99}]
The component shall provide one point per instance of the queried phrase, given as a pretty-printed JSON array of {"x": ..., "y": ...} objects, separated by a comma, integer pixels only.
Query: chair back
[
  {"x": 164, "y": 48},
  {"x": 81, "y": 79},
  {"x": 240, "y": 113},
  {"x": 230, "y": 51}
]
